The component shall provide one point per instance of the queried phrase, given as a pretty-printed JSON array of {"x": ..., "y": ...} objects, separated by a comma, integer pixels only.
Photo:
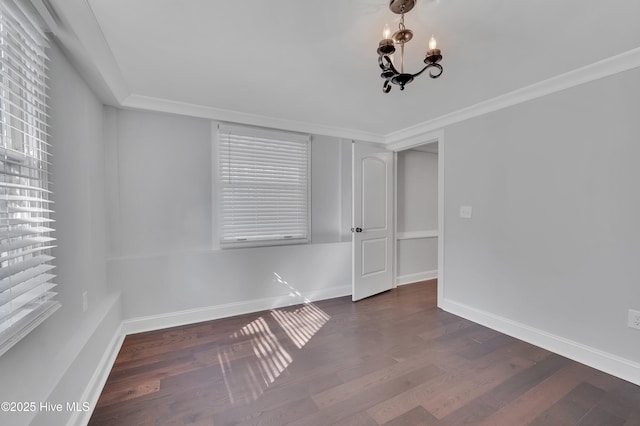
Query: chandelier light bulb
[
  {"x": 386, "y": 32},
  {"x": 432, "y": 43}
]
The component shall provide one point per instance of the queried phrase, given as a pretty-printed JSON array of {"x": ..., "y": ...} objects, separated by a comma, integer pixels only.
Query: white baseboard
[
  {"x": 98, "y": 380},
  {"x": 600, "y": 360},
  {"x": 101, "y": 328},
  {"x": 191, "y": 316},
  {"x": 156, "y": 322},
  {"x": 414, "y": 278},
  {"x": 611, "y": 364}
]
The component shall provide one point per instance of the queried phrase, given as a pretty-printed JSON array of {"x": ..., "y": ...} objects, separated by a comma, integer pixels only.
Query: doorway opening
[
  {"x": 388, "y": 250},
  {"x": 419, "y": 212}
]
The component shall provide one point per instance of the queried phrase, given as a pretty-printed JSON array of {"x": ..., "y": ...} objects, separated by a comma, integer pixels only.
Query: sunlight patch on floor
[
  {"x": 254, "y": 357},
  {"x": 269, "y": 360},
  {"x": 301, "y": 324}
]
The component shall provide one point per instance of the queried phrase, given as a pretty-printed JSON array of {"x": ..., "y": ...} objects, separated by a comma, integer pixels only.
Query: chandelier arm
[
  {"x": 389, "y": 65},
  {"x": 438, "y": 66},
  {"x": 431, "y": 74}
]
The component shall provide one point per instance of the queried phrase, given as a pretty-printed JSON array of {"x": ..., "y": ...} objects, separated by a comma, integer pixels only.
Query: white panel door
[{"x": 372, "y": 242}]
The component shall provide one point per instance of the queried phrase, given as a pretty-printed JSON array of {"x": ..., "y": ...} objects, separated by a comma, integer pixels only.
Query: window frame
[
  {"x": 26, "y": 296},
  {"x": 218, "y": 185}
]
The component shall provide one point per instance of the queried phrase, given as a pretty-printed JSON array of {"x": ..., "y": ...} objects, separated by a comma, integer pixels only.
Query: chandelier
[{"x": 387, "y": 48}]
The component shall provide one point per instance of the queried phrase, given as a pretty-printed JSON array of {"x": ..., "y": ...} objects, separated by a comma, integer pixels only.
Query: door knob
[{"x": 356, "y": 229}]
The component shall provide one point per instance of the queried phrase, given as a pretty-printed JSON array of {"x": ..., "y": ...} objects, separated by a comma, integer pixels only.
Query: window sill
[{"x": 266, "y": 243}]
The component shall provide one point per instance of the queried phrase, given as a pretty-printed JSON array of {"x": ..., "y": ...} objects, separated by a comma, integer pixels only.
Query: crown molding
[
  {"x": 597, "y": 70},
  {"x": 80, "y": 36},
  {"x": 135, "y": 101},
  {"x": 413, "y": 135}
]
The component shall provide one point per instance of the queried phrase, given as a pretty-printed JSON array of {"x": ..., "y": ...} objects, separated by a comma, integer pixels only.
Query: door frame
[{"x": 412, "y": 142}]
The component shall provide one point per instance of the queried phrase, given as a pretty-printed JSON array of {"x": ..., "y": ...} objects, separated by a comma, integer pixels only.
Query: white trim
[
  {"x": 94, "y": 388},
  {"x": 413, "y": 135},
  {"x": 87, "y": 49},
  {"x": 417, "y": 277},
  {"x": 441, "y": 223},
  {"x": 412, "y": 142},
  {"x": 422, "y": 138},
  {"x": 396, "y": 237},
  {"x": 414, "y": 235},
  {"x": 215, "y": 186},
  {"x": 98, "y": 326},
  {"x": 87, "y": 45},
  {"x": 604, "y": 68},
  {"x": 598, "y": 359},
  {"x": 239, "y": 143},
  {"x": 136, "y": 101},
  {"x": 341, "y": 224},
  {"x": 612, "y": 364},
  {"x": 192, "y": 316}
]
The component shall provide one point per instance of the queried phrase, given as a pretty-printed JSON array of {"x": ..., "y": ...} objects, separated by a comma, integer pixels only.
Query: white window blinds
[
  {"x": 263, "y": 186},
  {"x": 26, "y": 298}
]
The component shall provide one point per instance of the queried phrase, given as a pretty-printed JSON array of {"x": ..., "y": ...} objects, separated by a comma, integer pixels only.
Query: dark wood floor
[{"x": 392, "y": 359}]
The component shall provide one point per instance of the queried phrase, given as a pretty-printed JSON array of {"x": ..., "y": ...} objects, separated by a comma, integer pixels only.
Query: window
[
  {"x": 263, "y": 187},
  {"x": 26, "y": 298}
]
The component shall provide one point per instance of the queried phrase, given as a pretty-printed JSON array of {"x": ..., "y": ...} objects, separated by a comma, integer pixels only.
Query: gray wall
[
  {"x": 417, "y": 211},
  {"x": 554, "y": 240},
  {"x": 326, "y": 193},
  {"x": 165, "y": 259},
  {"x": 56, "y": 361}
]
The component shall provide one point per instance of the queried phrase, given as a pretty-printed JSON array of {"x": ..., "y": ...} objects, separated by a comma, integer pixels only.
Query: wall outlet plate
[
  {"x": 466, "y": 212},
  {"x": 634, "y": 319}
]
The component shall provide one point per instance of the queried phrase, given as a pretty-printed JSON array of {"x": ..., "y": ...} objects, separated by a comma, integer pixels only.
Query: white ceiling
[{"x": 315, "y": 62}]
